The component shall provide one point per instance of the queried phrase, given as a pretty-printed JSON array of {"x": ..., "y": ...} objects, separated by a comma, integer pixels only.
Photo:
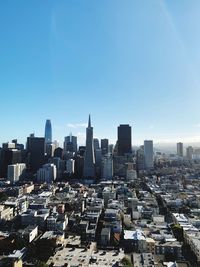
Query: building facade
[
  {"x": 148, "y": 154},
  {"x": 124, "y": 140},
  {"x": 89, "y": 161}
]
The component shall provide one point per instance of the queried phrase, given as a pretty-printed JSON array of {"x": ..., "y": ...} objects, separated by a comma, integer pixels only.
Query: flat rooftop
[{"x": 81, "y": 257}]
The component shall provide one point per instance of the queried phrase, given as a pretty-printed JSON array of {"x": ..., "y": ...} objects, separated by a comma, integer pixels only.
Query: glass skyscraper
[{"x": 48, "y": 132}]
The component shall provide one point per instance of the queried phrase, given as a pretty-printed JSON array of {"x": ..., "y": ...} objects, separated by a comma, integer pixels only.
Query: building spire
[{"x": 89, "y": 122}]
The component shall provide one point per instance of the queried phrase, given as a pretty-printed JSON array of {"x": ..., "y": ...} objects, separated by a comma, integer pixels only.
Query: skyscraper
[
  {"x": 140, "y": 159},
  {"x": 96, "y": 143},
  {"x": 180, "y": 149},
  {"x": 189, "y": 152},
  {"x": 107, "y": 167},
  {"x": 70, "y": 143},
  {"x": 36, "y": 153},
  {"x": 48, "y": 132},
  {"x": 89, "y": 167},
  {"x": 8, "y": 157},
  {"x": 124, "y": 139},
  {"x": 148, "y": 154},
  {"x": 104, "y": 146}
]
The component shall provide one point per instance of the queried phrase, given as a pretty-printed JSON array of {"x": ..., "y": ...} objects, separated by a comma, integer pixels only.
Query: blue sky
[{"x": 133, "y": 61}]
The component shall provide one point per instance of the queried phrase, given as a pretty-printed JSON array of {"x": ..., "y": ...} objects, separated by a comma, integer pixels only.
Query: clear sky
[{"x": 123, "y": 61}]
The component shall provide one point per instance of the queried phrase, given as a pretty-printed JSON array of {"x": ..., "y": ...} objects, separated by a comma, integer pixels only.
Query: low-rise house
[{"x": 174, "y": 248}]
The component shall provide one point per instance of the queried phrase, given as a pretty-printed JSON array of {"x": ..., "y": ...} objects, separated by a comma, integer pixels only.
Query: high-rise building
[
  {"x": 47, "y": 173},
  {"x": 58, "y": 152},
  {"x": 110, "y": 148},
  {"x": 36, "y": 153},
  {"x": 89, "y": 162},
  {"x": 9, "y": 145},
  {"x": 96, "y": 143},
  {"x": 104, "y": 146},
  {"x": 79, "y": 166},
  {"x": 98, "y": 157},
  {"x": 8, "y": 157},
  {"x": 18, "y": 146},
  {"x": 70, "y": 143},
  {"x": 140, "y": 159},
  {"x": 148, "y": 154},
  {"x": 189, "y": 152},
  {"x": 124, "y": 140},
  {"x": 180, "y": 149},
  {"x": 48, "y": 132},
  {"x": 107, "y": 167},
  {"x": 49, "y": 149},
  {"x": 70, "y": 166},
  {"x": 15, "y": 171}
]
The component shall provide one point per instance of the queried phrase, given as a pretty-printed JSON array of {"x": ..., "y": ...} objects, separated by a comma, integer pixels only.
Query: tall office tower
[
  {"x": 107, "y": 167},
  {"x": 79, "y": 166},
  {"x": 36, "y": 153},
  {"x": 148, "y": 154},
  {"x": 70, "y": 143},
  {"x": 140, "y": 159},
  {"x": 70, "y": 166},
  {"x": 98, "y": 158},
  {"x": 48, "y": 132},
  {"x": 180, "y": 149},
  {"x": 8, "y": 157},
  {"x": 96, "y": 143},
  {"x": 110, "y": 149},
  {"x": 124, "y": 140},
  {"x": 89, "y": 168},
  {"x": 189, "y": 152},
  {"x": 15, "y": 172},
  {"x": 104, "y": 146}
]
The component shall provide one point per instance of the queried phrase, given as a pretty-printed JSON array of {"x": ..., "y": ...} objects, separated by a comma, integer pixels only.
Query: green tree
[
  {"x": 178, "y": 232},
  {"x": 3, "y": 196},
  {"x": 41, "y": 264},
  {"x": 126, "y": 262}
]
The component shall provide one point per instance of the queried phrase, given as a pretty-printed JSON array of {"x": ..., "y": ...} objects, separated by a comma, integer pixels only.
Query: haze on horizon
[{"x": 136, "y": 63}]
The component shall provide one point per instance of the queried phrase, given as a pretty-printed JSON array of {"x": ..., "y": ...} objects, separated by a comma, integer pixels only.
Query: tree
[
  {"x": 41, "y": 264},
  {"x": 126, "y": 262},
  {"x": 3, "y": 196},
  {"x": 178, "y": 232}
]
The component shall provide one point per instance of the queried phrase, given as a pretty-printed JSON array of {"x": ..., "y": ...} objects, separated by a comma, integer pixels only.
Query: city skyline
[
  {"x": 81, "y": 138},
  {"x": 135, "y": 63}
]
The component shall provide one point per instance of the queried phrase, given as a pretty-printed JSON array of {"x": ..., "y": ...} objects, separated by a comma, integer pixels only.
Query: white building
[
  {"x": 15, "y": 171},
  {"x": 30, "y": 233},
  {"x": 70, "y": 165},
  {"x": 107, "y": 167},
  {"x": 47, "y": 173},
  {"x": 180, "y": 149},
  {"x": 148, "y": 154},
  {"x": 189, "y": 152}
]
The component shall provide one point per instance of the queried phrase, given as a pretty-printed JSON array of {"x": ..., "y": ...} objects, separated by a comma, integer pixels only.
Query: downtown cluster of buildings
[
  {"x": 44, "y": 161},
  {"x": 99, "y": 204}
]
